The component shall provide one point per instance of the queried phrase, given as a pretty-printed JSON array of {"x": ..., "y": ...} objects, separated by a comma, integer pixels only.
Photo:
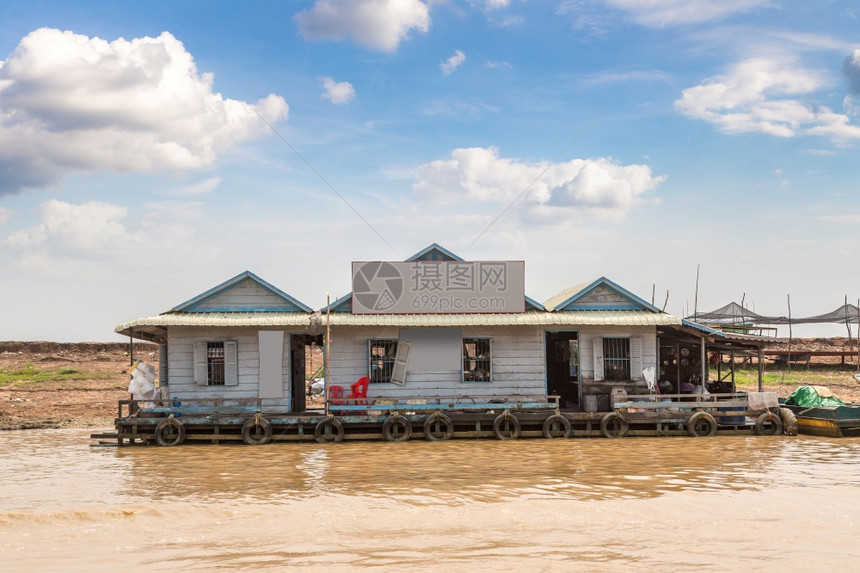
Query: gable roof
[
  {"x": 268, "y": 298},
  {"x": 602, "y": 294},
  {"x": 434, "y": 252}
]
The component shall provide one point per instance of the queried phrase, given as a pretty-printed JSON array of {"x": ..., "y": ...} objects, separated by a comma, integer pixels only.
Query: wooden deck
[{"x": 173, "y": 422}]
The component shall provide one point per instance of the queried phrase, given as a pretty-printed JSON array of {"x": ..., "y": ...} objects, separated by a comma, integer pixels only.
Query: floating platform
[{"x": 173, "y": 422}]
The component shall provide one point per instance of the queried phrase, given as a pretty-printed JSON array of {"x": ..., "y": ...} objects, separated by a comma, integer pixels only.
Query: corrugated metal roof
[
  {"x": 531, "y": 318},
  {"x": 564, "y": 295}
]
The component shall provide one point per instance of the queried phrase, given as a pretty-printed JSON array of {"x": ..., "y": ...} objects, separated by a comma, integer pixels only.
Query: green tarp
[{"x": 813, "y": 397}]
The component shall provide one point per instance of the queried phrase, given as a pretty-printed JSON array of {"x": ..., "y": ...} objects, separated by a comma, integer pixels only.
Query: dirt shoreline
[{"x": 66, "y": 385}]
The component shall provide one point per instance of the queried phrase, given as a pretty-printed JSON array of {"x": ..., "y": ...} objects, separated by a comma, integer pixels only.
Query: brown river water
[{"x": 732, "y": 503}]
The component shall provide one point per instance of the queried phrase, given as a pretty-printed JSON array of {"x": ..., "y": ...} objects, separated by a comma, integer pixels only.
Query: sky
[{"x": 152, "y": 150}]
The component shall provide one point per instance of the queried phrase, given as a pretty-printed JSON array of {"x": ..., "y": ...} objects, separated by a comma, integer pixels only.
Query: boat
[{"x": 819, "y": 412}]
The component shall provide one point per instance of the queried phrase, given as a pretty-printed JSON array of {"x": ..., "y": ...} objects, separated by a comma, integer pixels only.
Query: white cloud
[
  {"x": 95, "y": 236},
  {"x": 90, "y": 229},
  {"x": 5, "y": 215},
  {"x": 73, "y": 103},
  {"x": 851, "y": 68},
  {"x": 847, "y": 218},
  {"x": 376, "y": 24},
  {"x": 765, "y": 95},
  {"x": 196, "y": 189},
  {"x": 453, "y": 62},
  {"x": 592, "y": 17},
  {"x": 661, "y": 13},
  {"x": 490, "y": 4},
  {"x": 493, "y": 64},
  {"x": 600, "y": 186},
  {"x": 338, "y": 92}
]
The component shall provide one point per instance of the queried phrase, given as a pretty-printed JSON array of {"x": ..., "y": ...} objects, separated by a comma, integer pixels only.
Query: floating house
[{"x": 433, "y": 329}]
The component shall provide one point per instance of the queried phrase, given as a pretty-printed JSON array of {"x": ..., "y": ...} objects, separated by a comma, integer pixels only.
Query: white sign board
[{"x": 435, "y": 287}]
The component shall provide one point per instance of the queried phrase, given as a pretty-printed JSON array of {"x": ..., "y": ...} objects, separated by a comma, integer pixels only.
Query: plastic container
[{"x": 590, "y": 401}]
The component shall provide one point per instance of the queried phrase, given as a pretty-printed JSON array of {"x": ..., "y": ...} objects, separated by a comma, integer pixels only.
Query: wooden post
[
  {"x": 788, "y": 358},
  {"x": 760, "y": 371},
  {"x": 327, "y": 350}
]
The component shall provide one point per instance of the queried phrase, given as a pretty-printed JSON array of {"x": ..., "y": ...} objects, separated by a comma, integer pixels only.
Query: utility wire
[
  {"x": 536, "y": 179},
  {"x": 318, "y": 174}
]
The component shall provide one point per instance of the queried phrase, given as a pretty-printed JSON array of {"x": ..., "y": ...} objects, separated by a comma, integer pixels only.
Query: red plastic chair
[
  {"x": 335, "y": 395},
  {"x": 358, "y": 393}
]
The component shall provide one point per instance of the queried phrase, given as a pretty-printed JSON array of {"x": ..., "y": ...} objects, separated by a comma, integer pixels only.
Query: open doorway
[
  {"x": 305, "y": 359},
  {"x": 562, "y": 367}
]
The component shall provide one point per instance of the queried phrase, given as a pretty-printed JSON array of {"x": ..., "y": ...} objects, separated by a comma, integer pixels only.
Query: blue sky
[{"x": 151, "y": 150}]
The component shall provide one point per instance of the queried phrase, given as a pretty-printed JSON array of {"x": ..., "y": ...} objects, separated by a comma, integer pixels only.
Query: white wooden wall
[
  {"x": 180, "y": 350},
  {"x": 517, "y": 353},
  {"x": 587, "y": 334}
]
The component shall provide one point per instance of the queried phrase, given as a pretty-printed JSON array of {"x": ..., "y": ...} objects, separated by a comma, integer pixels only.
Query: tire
[
  {"x": 434, "y": 423},
  {"x": 397, "y": 429},
  {"x": 768, "y": 424},
  {"x": 257, "y": 431},
  {"x": 789, "y": 421},
  {"x": 506, "y": 427},
  {"x": 169, "y": 432},
  {"x": 613, "y": 426},
  {"x": 329, "y": 430},
  {"x": 701, "y": 424},
  {"x": 556, "y": 420}
]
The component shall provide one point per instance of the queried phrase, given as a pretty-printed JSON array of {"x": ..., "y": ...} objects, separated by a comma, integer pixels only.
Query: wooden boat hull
[{"x": 834, "y": 422}]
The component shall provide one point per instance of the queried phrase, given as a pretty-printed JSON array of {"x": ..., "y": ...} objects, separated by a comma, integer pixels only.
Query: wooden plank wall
[{"x": 181, "y": 364}]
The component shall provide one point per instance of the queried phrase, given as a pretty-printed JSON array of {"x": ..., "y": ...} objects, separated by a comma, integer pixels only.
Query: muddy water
[{"x": 728, "y": 503}]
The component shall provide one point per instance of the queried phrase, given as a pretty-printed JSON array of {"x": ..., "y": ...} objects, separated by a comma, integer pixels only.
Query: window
[
  {"x": 476, "y": 360},
  {"x": 381, "y": 352},
  {"x": 216, "y": 363},
  {"x": 616, "y": 358}
]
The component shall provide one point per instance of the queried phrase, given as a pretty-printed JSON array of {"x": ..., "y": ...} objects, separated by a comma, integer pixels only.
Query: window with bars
[
  {"x": 381, "y": 354},
  {"x": 215, "y": 363},
  {"x": 477, "y": 365},
  {"x": 616, "y": 358}
]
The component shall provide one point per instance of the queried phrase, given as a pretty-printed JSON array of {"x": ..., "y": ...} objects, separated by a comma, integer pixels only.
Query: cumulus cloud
[
  {"x": 453, "y": 62},
  {"x": 338, "y": 92},
  {"x": 765, "y": 95},
  {"x": 70, "y": 103},
  {"x": 376, "y": 24},
  {"x": 600, "y": 186}
]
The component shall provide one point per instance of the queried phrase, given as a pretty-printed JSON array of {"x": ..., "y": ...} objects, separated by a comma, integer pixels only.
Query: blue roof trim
[
  {"x": 635, "y": 300},
  {"x": 343, "y": 304},
  {"x": 189, "y": 304},
  {"x": 434, "y": 247},
  {"x": 702, "y": 327},
  {"x": 533, "y": 304}
]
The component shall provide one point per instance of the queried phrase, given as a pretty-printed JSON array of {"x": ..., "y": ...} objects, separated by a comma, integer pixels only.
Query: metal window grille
[
  {"x": 616, "y": 358},
  {"x": 477, "y": 364},
  {"x": 215, "y": 363},
  {"x": 381, "y": 357}
]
